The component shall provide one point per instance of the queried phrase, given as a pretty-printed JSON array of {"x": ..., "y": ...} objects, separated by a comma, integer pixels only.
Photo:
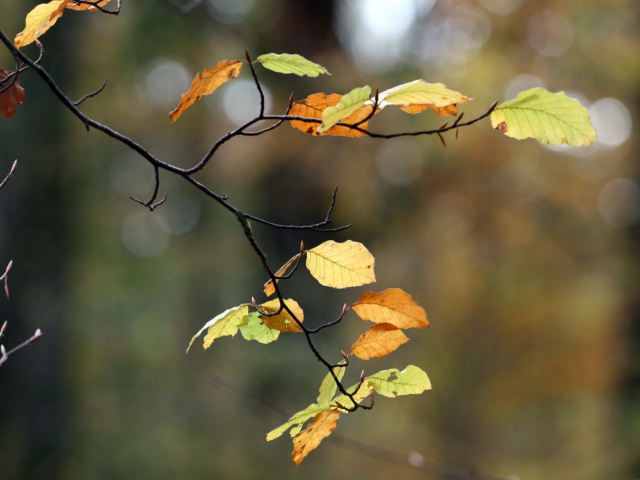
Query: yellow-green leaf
[
  {"x": 288, "y": 63},
  {"x": 351, "y": 102},
  {"x": 392, "y": 306},
  {"x": 297, "y": 420},
  {"x": 343, "y": 401},
  {"x": 283, "y": 321},
  {"x": 379, "y": 341},
  {"x": 341, "y": 265},
  {"x": 419, "y": 95},
  {"x": 323, "y": 424},
  {"x": 225, "y": 324},
  {"x": 39, "y": 20},
  {"x": 393, "y": 382},
  {"x": 252, "y": 328},
  {"x": 550, "y": 118},
  {"x": 328, "y": 386}
]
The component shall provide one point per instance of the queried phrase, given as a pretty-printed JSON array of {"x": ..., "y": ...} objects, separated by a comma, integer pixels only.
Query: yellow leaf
[
  {"x": 283, "y": 321},
  {"x": 83, "y": 6},
  {"x": 205, "y": 83},
  {"x": 341, "y": 265},
  {"x": 419, "y": 95},
  {"x": 391, "y": 306},
  {"x": 323, "y": 424},
  {"x": 39, "y": 20},
  {"x": 314, "y": 105},
  {"x": 379, "y": 341},
  {"x": 269, "y": 289}
]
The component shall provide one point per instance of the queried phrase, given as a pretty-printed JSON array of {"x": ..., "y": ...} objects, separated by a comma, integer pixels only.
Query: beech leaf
[
  {"x": 379, "y": 341},
  {"x": 39, "y": 20},
  {"x": 314, "y": 105},
  {"x": 269, "y": 289},
  {"x": 343, "y": 401},
  {"x": 10, "y": 97},
  {"x": 206, "y": 83},
  {"x": 341, "y": 265},
  {"x": 393, "y": 382},
  {"x": 550, "y": 118},
  {"x": 297, "y": 420},
  {"x": 347, "y": 105},
  {"x": 283, "y": 321},
  {"x": 328, "y": 386},
  {"x": 225, "y": 324},
  {"x": 252, "y": 328},
  {"x": 83, "y": 6},
  {"x": 419, "y": 95},
  {"x": 323, "y": 424},
  {"x": 392, "y": 306},
  {"x": 287, "y": 63}
]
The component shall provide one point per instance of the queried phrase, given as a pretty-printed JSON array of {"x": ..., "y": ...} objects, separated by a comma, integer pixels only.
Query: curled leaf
[
  {"x": 550, "y": 118},
  {"x": 419, "y": 95},
  {"x": 269, "y": 289},
  {"x": 206, "y": 83},
  {"x": 341, "y": 265},
  {"x": 392, "y": 306},
  {"x": 39, "y": 20},
  {"x": 283, "y": 322},
  {"x": 287, "y": 63},
  {"x": 347, "y": 105},
  {"x": 323, "y": 424},
  {"x": 225, "y": 324},
  {"x": 379, "y": 341},
  {"x": 10, "y": 97}
]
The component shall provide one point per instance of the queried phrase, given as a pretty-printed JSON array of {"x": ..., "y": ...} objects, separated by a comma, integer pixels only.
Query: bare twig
[
  {"x": 92, "y": 94},
  {"x": 5, "y": 355}
]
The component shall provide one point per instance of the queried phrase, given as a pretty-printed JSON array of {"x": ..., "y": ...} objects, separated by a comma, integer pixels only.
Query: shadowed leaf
[
  {"x": 323, "y": 424},
  {"x": 341, "y": 265},
  {"x": 379, "y": 341},
  {"x": 391, "y": 306},
  {"x": 283, "y": 321},
  {"x": 287, "y": 63}
]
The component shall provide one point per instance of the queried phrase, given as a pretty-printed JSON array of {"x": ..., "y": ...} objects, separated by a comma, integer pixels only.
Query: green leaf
[
  {"x": 550, "y": 118},
  {"x": 393, "y": 382},
  {"x": 328, "y": 387},
  {"x": 342, "y": 400},
  {"x": 287, "y": 63},
  {"x": 224, "y": 324},
  {"x": 351, "y": 102},
  {"x": 252, "y": 328},
  {"x": 298, "y": 420}
]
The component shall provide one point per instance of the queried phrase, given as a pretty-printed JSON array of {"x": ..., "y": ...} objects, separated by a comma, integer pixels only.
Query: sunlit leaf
[
  {"x": 283, "y": 321},
  {"x": 298, "y": 420},
  {"x": 391, "y": 306},
  {"x": 252, "y": 328},
  {"x": 347, "y": 105},
  {"x": 10, "y": 97},
  {"x": 393, "y": 382},
  {"x": 550, "y": 118},
  {"x": 419, "y": 95},
  {"x": 314, "y": 105},
  {"x": 287, "y": 63},
  {"x": 225, "y": 324},
  {"x": 269, "y": 289},
  {"x": 343, "y": 401},
  {"x": 205, "y": 83},
  {"x": 379, "y": 341},
  {"x": 39, "y": 20},
  {"x": 328, "y": 386},
  {"x": 341, "y": 265},
  {"x": 83, "y": 6},
  {"x": 323, "y": 424}
]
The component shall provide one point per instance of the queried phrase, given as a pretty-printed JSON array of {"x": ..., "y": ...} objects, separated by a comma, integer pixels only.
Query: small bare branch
[{"x": 92, "y": 94}]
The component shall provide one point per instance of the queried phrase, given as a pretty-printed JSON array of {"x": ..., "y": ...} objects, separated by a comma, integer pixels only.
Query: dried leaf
[
  {"x": 341, "y": 265},
  {"x": 550, "y": 118},
  {"x": 39, "y": 20},
  {"x": 283, "y": 321},
  {"x": 252, "y": 328},
  {"x": 347, "y": 105},
  {"x": 10, "y": 97},
  {"x": 225, "y": 324},
  {"x": 83, "y": 6},
  {"x": 269, "y": 289},
  {"x": 328, "y": 386},
  {"x": 206, "y": 83},
  {"x": 379, "y": 341},
  {"x": 287, "y": 63},
  {"x": 391, "y": 306},
  {"x": 419, "y": 95},
  {"x": 314, "y": 105},
  {"x": 323, "y": 424},
  {"x": 298, "y": 420},
  {"x": 393, "y": 382}
]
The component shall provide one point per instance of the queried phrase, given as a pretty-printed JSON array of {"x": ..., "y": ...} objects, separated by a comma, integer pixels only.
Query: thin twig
[
  {"x": 5, "y": 354},
  {"x": 92, "y": 94}
]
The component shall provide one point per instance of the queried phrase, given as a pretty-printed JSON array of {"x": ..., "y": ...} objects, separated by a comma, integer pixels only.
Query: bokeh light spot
[{"x": 619, "y": 203}]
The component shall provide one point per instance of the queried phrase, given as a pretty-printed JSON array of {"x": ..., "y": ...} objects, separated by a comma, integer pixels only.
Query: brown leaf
[
  {"x": 39, "y": 20},
  {"x": 314, "y": 105},
  {"x": 10, "y": 97},
  {"x": 283, "y": 321},
  {"x": 83, "y": 6},
  {"x": 269, "y": 289},
  {"x": 323, "y": 424},
  {"x": 379, "y": 341},
  {"x": 205, "y": 83},
  {"x": 391, "y": 306}
]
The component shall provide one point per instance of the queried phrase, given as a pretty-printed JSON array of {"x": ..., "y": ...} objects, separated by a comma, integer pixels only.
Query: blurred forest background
[{"x": 526, "y": 258}]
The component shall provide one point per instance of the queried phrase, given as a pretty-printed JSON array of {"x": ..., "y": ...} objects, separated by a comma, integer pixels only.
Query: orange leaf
[
  {"x": 83, "y": 6},
  {"x": 283, "y": 321},
  {"x": 391, "y": 306},
  {"x": 39, "y": 20},
  {"x": 379, "y": 341},
  {"x": 323, "y": 424},
  {"x": 313, "y": 106},
  {"x": 10, "y": 97},
  {"x": 269, "y": 289},
  {"x": 442, "y": 111},
  {"x": 205, "y": 83}
]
